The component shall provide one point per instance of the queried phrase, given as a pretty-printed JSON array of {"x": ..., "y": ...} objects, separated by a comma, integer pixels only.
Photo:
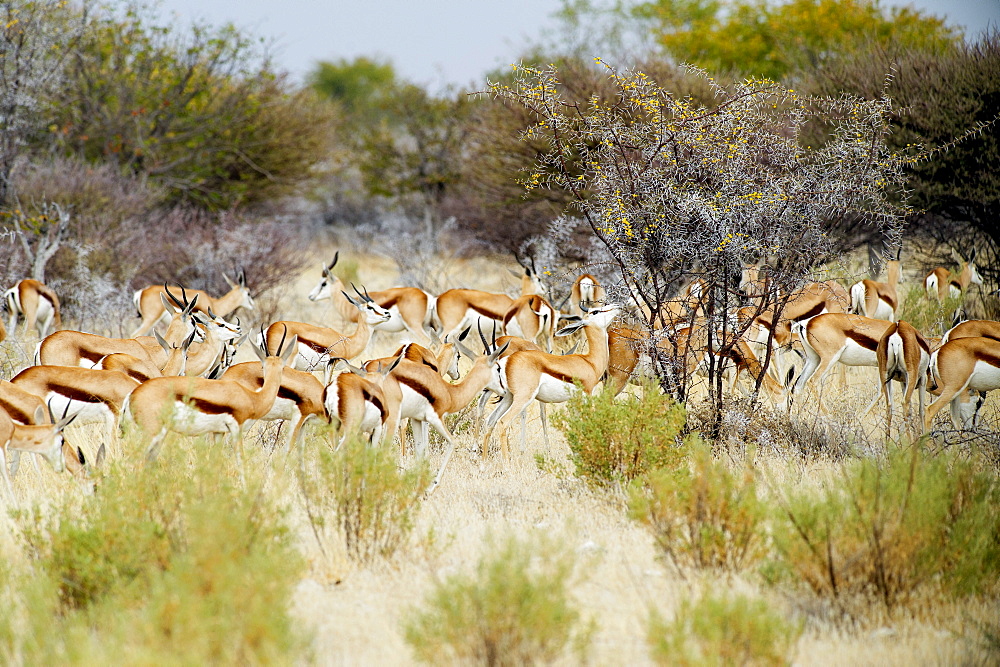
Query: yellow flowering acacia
[{"x": 677, "y": 191}]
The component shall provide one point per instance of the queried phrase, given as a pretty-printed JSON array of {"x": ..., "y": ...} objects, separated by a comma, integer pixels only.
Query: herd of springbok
[{"x": 184, "y": 380}]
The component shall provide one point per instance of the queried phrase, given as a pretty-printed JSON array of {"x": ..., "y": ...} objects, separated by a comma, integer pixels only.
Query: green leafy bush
[
  {"x": 515, "y": 608},
  {"x": 886, "y": 530},
  {"x": 618, "y": 440},
  {"x": 172, "y": 560},
  {"x": 926, "y": 313},
  {"x": 702, "y": 515},
  {"x": 359, "y": 494},
  {"x": 723, "y": 631}
]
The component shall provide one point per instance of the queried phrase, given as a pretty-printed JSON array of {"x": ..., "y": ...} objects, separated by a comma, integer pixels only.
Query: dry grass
[{"x": 355, "y": 613}]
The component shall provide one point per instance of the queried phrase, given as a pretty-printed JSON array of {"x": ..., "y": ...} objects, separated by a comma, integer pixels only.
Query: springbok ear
[
  {"x": 497, "y": 353},
  {"x": 191, "y": 304},
  {"x": 463, "y": 350},
  {"x": 162, "y": 341},
  {"x": 347, "y": 296},
  {"x": 167, "y": 306},
  {"x": 972, "y": 255},
  {"x": 393, "y": 365},
  {"x": 570, "y": 328},
  {"x": 242, "y": 278},
  {"x": 228, "y": 280},
  {"x": 287, "y": 353},
  {"x": 39, "y": 417}
]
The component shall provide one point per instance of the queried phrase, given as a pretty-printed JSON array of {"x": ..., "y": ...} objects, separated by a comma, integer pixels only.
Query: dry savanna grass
[{"x": 620, "y": 587}]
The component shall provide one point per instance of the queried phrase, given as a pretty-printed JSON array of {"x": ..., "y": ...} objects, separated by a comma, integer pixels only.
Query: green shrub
[
  {"x": 723, "y": 631},
  {"x": 618, "y": 440},
  {"x": 886, "y": 530},
  {"x": 513, "y": 609},
  {"x": 175, "y": 561},
  {"x": 360, "y": 495},
  {"x": 702, "y": 515},
  {"x": 926, "y": 313}
]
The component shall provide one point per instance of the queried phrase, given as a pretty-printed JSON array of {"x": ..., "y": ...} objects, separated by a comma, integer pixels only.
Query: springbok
[
  {"x": 410, "y": 308},
  {"x": 959, "y": 366},
  {"x": 875, "y": 300},
  {"x": 414, "y": 391},
  {"x": 90, "y": 395},
  {"x": 529, "y": 375},
  {"x": 316, "y": 345},
  {"x": 460, "y": 309},
  {"x": 151, "y": 307},
  {"x": 531, "y": 317},
  {"x": 38, "y": 438},
  {"x": 76, "y": 348},
  {"x": 585, "y": 294},
  {"x": 37, "y": 302},
  {"x": 353, "y": 397},
  {"x": 903, "y": 354},
  {"x": 299, "y": 399},
  {"x": 939, "y": 282},
  {"x": 195, "y": 405},
  {"x": 30, "y": 410},
  {"x": 849, "y": 339}
]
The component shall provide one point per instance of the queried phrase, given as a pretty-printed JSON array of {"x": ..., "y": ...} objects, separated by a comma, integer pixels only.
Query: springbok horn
[
  {"x": 482, "y": 336},
  {"x": 281, "y": 345},
  {"x": 174, "y": 298}
]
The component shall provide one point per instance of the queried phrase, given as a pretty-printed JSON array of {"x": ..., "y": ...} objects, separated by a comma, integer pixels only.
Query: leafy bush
[
  {"x": 368, "y": 501},
  {"x": 175, "y": 559},
  {"x": 514, "y": 609},
  {"x": 704, "y": 515},
  {"x": 618, "y": 440},
  {"x": 887, "y": 530},
  {"x": 926, "y": 313},
  {"x": 723, "y": 631}
]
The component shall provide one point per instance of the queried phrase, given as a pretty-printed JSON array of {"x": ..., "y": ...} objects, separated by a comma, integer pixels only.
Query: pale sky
[{"x": 435, "y": 42}]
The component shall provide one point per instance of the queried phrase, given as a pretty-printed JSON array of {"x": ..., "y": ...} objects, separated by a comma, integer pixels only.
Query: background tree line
[{"x": 129, "y": 121}]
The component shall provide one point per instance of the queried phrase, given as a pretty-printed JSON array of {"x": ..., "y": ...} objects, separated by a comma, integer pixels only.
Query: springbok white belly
[
  {"x": 283, "y": 408},
  {"x": 857, "y": 355},
  {"x": 415, "y": 406},
  {"x": 189, "y": 421},
  {"x": 553, "y": 390},
  {"x": 985, "y": 377},
  {"x": 309, "y": 359},
  {"x": 86, "y": 412},
  {"x": 394, "y": 324}
]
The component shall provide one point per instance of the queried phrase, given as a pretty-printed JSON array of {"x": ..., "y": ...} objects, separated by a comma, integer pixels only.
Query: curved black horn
[
  {"x": 482, "y": 336},
  {"x": 52, "y": 417},
  {"x": 336, "y": 256},
  {"x": 172, "y": 297},
  {"x": 281, "y": 345}
]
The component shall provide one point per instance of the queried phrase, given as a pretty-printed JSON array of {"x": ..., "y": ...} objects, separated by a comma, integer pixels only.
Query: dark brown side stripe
[
  {"x": 208, "y": 407},
  {"x": 417, "y": 387},
  {"x": 862, "y": 339}
]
